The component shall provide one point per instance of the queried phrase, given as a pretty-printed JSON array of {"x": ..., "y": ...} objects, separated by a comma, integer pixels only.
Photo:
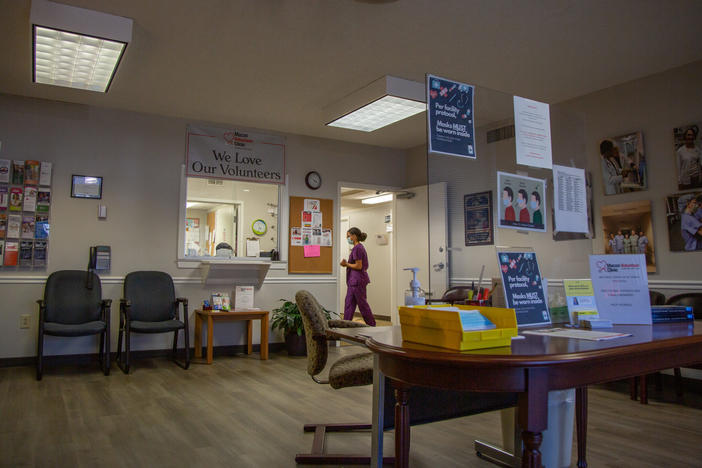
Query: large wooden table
[
  {"x": 532, "y": 367},
  {"x": 210, "y": 316}
]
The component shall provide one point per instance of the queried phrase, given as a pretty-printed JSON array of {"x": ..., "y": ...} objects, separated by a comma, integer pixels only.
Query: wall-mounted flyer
[
  {"x": 570, "y": 200},
  {"x": 620, "y": 284},
  {"x": 523, "y": 287},
  {"x": 532, "y": 132},
  {"x": 522, "y": 202},
  {"x": 450, "y": 117},
  {"x": 580, "y": 299}
]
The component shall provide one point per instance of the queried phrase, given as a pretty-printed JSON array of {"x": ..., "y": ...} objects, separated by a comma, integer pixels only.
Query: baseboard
[
  {"x": 357, "y": 315},
  {"x": 150, "y": 353}
]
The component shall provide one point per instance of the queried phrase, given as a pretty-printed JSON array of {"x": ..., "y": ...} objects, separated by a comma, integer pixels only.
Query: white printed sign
[
  {"x": 235, "y": 154},
  {"x": 532, "y": 132}
]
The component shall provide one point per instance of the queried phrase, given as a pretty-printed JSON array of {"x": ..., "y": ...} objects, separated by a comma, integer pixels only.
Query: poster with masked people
[{"x": 522, "y": 202}]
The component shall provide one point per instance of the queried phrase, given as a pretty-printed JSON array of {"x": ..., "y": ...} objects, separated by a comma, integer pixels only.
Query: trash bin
[{"x": 557, "y": 442}]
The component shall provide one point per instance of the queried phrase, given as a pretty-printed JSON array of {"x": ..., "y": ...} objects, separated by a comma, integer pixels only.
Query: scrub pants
[{"x": 356, "y": 295}]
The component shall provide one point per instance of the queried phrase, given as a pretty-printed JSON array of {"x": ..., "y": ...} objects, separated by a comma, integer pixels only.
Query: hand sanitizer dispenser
[{"x": 414, "y": 295}]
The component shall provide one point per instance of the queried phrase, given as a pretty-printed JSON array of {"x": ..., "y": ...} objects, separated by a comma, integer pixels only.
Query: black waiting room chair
[
  {"x": 150, "y": 306},
  {"x": 693, "y": 300},
  {"x": 73, "y": 306}
]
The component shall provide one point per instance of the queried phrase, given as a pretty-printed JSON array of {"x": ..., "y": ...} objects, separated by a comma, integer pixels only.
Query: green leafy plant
[{"x": 288, "y": 319}]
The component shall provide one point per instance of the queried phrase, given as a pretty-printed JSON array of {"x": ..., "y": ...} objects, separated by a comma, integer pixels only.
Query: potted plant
[{"x": 287, "y": 318}]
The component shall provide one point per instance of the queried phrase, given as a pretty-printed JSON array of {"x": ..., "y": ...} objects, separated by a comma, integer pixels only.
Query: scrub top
[
  {"x": 358, "y": 277},
  {"x": 689, "y": 226}
]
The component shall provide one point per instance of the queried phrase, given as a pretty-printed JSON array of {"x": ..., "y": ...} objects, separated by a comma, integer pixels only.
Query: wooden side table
[{"x": 217, "y": 315}]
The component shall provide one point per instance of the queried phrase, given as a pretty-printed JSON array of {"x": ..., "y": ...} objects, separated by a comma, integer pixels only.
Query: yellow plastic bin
[{"x": 439, "y": 325}]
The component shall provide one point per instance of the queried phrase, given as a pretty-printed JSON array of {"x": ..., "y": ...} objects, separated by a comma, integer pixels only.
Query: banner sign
[
  {"x": 532, "y": 132},
  {"x": 450, "y": 117},
  {"x": 523, "y": 287},
  {"x": 217, "y": 153},
  {"x": 621, "y": 288}
]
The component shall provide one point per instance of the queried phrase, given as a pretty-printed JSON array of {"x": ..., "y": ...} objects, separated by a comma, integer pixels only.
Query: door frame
[{"x": 339, "y": 245}]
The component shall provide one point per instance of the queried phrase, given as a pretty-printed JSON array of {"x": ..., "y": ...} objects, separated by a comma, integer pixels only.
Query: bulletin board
[{"x": 297, "y": 262}]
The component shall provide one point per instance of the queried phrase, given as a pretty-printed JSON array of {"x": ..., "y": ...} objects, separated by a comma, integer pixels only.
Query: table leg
[
  {"x": 210, "y": 333},
  {"x": 402, "y": 425},
  {"x": 533, "y": 415},
  {"x": 378, "y": 415},
  {"x": 198, "y": 335},
  {"x": 249, "y": 336},
  {"x": 581, "y": 426},
  {"x": 264, "y": 337}
]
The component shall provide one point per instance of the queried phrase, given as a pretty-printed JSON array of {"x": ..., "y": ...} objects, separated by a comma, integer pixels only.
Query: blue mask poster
[
  {"x": 524, "y": 292},
  {"x": 450, "y": 117}
]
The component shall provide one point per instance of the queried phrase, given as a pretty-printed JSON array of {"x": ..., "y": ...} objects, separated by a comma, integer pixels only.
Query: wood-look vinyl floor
[{"x": 244, "y": 412}]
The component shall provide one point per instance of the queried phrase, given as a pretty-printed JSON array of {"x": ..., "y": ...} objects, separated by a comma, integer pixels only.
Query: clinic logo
[
  {"x": 229, "y": 137},
  {"x": 603, "y": 266}
]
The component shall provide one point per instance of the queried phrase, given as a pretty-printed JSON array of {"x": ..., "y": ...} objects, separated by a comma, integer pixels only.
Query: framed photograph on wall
[
  {"x": 688, "y": 156},
  {"x": 477, "y": 208},
  {"x": 628, "y": 230},
  {"x": 86, "y": 187},
  {"x": 684, "y": 214},
  {"x": 623, "y": 164}
]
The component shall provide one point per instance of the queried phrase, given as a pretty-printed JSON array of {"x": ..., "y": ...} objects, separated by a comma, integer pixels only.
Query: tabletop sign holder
[
  {"x": 297, "y": 262},
  {"x": 523, "y": 285}
]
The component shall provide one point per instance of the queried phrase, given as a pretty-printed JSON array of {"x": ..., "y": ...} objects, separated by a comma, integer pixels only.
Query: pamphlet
[
  {"x": 580, "y": 299},
  {"x": 306, "y": 236},
  {"x": 620, "y": 284},
  {"x": 4, "y": 197},
  {"x": 43, "y": 200},
  {"x": 16, "y": 198},
  {"x": 14, "y": 222},
  {"x": 243, "y": 297},
  {"x": 326, "y": 238},
  {"x": 11, "y": 253},
  {"x": 316, "y": 220},
  {"x": 226, "y": 302},
  {"x": 5, "y": 168},
  {"x": 45, "y": 174},
  {"x": 2, "y": 251},
  {"x": 18, "y": 172},
  {"x": 31, "y": 172},
  {"x": 306, "y": 217},
  {"x": 30, "y": 199},
  {"x": 3, "y": 225},
  {"x": 25, "y": 255},
  {"x": 217, "y": 301},
  {"x": 473, "y": 320},
  {"x": 41, "y": 228},
  {"x": 39, "y": 253},
  {"x": 28, "y": 227},
  {"x": 577, "y": 334}
]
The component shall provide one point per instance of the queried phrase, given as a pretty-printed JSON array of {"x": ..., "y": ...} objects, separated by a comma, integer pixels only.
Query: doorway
[{"x": 365, "y": 209}]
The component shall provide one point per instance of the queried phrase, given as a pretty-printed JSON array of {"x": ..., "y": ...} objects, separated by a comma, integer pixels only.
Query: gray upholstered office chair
[
  {"x": 348, "y": 371},
  {"x": 73, "y": 306},
  {"x": 150, "y": 306}
]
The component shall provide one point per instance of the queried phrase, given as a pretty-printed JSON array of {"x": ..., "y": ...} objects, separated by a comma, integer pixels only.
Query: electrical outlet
[{"x": 24, "y": 321}]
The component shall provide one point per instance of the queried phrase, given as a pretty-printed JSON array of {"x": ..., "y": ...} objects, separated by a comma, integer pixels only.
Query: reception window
[{"x": 229, "y": 212}]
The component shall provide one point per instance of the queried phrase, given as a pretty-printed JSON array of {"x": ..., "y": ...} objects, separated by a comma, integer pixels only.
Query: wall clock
[
  {"x": 259, "y": 227},
  {"x": 313, "y": 180}
]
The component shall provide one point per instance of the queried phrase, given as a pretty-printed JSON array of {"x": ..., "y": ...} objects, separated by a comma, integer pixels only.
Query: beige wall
[{"x": 140, "y": 158}]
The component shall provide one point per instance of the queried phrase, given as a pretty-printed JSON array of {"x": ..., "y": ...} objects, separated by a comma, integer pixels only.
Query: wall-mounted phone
[{"x": 100, "y": 256}]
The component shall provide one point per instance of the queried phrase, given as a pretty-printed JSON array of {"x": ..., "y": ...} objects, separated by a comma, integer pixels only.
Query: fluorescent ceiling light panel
[
  {"x": 75, "y": 47},
  {"x": 381, "y": 103},
  {"x": 379, "y": 199}
]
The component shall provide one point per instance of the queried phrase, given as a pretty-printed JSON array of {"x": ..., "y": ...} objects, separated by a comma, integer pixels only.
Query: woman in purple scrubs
[{"x": 357, "y": 277}]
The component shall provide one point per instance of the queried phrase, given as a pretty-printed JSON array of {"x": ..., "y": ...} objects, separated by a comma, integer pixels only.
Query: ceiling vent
[{"x": 501, "y": 133}]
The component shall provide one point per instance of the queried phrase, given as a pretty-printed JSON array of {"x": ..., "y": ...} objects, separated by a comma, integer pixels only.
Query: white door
[
  {"x": 415, "y": 246},
  {"x": 344, "y": 226},
  {"x": 438, "y": 239}
]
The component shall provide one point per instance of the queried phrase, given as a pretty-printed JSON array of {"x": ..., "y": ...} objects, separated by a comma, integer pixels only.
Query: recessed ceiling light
[
  {"x": 377, "y": 199},
  {"x": 75, "y": 47}
]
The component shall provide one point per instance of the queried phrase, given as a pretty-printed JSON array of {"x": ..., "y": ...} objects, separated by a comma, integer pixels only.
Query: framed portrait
[
  {"x": 623, "y": 164},
  {"x": 628, "y": 230},
  {"x": 477, "y": 208},
  {"x": 684, "y": 214},
  {"x": 688, "y": 156},
  {"x": 86, "y": 187}
]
